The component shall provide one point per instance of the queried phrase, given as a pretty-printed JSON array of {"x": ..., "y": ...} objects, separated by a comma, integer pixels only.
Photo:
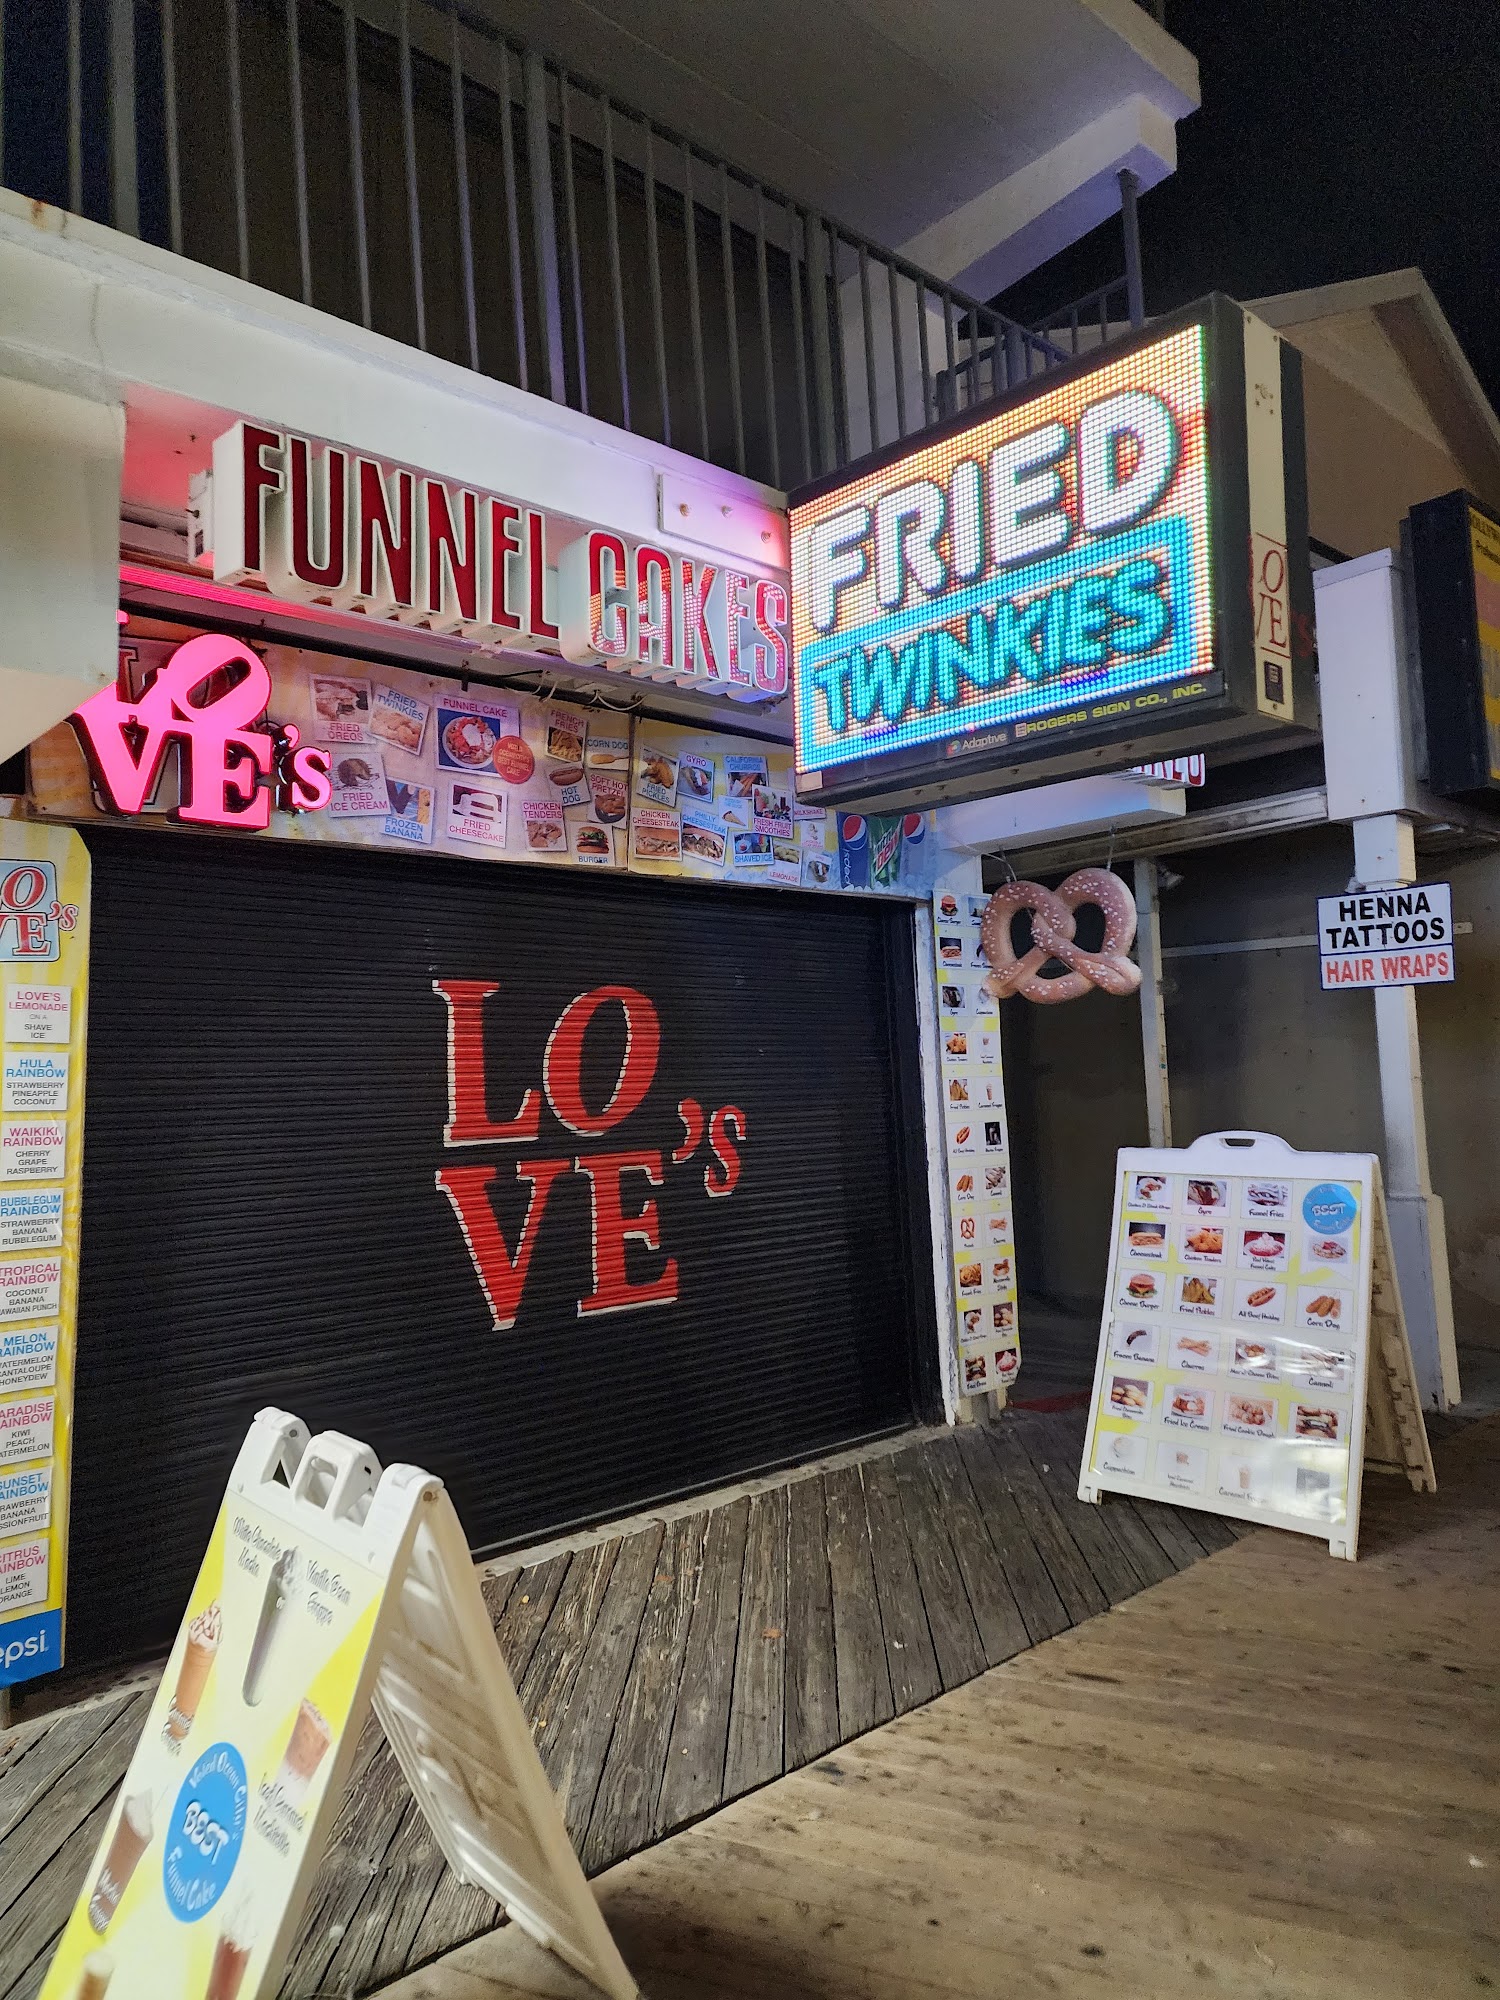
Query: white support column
[
  {"x": 1385, "y": 854},
  {"x": 1153, "y": 1010}
]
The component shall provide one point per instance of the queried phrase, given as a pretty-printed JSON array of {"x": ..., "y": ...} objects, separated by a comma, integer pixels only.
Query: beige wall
[
  {"x": 1254, "y": 1042},
  {"x": 1365, "y": 468}
]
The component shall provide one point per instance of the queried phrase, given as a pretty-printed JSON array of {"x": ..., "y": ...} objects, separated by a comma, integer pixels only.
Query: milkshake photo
[
  {"x": 306, "y": 1748},
  {"x": 279, "y": 1587},
  {"x": 132, "y": 1835},
  {"x": 232, "y": 1952},
  {"x": 197, "y": 1660},
  {"x": 93, "y": 1980}
]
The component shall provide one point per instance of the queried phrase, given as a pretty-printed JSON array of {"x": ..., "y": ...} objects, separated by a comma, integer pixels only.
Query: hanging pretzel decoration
[{"x": 1053, "y": 927}]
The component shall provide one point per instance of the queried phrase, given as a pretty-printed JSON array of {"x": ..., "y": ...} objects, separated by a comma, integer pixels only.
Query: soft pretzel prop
[{"x": 1053, "y": 927}]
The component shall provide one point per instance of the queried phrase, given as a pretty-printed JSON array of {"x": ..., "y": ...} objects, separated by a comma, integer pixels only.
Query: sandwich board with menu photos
[
  {"x": 1253, "y": 1355},
  {"x": 327, "y": 1584}
]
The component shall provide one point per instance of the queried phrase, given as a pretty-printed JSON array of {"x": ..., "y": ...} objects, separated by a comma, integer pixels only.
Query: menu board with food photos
[
  {"x": 490, "y": 773},
  {"x": 1253, "y": 1356},
  {"x": 977, "y": 1149}
]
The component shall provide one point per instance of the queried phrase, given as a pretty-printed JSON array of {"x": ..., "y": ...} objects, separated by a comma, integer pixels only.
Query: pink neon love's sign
[{"x": 226, "y": 745}]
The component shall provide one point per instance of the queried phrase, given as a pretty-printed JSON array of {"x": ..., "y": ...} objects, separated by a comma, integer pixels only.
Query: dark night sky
[{"x": 1334, "y": 141}]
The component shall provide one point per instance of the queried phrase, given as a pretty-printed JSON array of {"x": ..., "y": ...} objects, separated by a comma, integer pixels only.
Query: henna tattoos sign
[{"x": 1053, "y": 927}]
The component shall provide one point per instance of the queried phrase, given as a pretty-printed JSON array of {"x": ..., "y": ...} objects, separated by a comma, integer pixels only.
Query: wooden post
[{"x": 1153, "y": 1010}]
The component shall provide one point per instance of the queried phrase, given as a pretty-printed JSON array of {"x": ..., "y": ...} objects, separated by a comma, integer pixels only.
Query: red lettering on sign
[
  {"x": 452, "y": 558},
  {"x": 771, "y": 646},
  {"x": 328, "y": 574},
  {"x": 502, "y": 1275},
  {"x": 613, "y": 1229},
  {"x": 563, "y": 1059},
  {"x": 698, "y": 656},
  {"x": 259, "y": 478},
  {"x": 504, "y": 543},
  {"x": 469, "y": 1122},
  {"x": 655, "y": 632},
  {"x": 541, "y": 626},
  {"x": 385, "y": 536},
  {"x": 690, "y": 1111},
  {"x": 23, "y": 888},
  {"x": 725, "y": 1151}
]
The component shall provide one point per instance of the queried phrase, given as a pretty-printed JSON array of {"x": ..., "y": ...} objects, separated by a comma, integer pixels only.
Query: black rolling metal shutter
[{"x": 266, "y": 1098}]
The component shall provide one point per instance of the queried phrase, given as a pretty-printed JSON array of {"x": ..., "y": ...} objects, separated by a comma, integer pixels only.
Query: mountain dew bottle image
[{"x": 885, "y": 849}]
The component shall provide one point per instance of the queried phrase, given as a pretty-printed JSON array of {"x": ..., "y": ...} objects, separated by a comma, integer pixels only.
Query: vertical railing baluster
[
  {"x": 695, "y": 303},
  {"x": 840, "y": 340},
  {"x": 512, "y": 213},
  {"x": 124, "y": 185},
  {"x": 973, "y": 357},
  {"x": 768, "y": 359},
  {"x": 653, "y": 259},
  {"x": 570, "y": 210},
  {"x": 461, "y": 182},
  {"x": 898, "y": 361},
  {"x": 299, "y": 145},
  {"x": 797, "y": 265},
  {"x": 616, "y": 277},
  {"x": 952, "y": 350},
  {"x": 1073, "y": 326},
  {"x": 929, "y": 400},
  {"x": 169, "y": 115},
  {"x": 356, "y": 158},
  {"x": 237, "y": 134},
  {"x": 822, "y": 293},
  {"x": 731, "y": 319},
  {"x": 409, "y": 155},
  {"x": 75, "y": 100},
  {"x": 544, "y": 223},
  {"x": 872, "y": 398}
]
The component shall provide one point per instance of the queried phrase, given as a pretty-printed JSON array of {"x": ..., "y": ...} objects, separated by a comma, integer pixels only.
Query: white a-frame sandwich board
[
  {"x": 1253, "y": 1355},
  {"x": 326, "y": 1584}
]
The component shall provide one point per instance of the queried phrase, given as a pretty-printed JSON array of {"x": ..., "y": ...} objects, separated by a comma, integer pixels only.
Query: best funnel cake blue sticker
[
  {"x": 205, "y": 1833},
  {"x": 1329, "y": 1207}
]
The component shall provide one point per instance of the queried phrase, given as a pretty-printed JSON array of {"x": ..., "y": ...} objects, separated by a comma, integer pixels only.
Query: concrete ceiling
[{"x": 892, "y": 117}]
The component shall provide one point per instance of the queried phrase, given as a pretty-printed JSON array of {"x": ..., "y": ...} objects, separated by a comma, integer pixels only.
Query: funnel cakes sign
[
  {"x": 319, "y": 523},
  {"x": 630, "y": 1264}
]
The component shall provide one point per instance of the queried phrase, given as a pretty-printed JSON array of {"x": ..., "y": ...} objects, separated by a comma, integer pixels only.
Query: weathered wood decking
[{"x": 666, "y": 1670}]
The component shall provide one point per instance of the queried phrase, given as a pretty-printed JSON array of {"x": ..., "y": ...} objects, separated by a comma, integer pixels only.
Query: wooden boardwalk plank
[
  {"x": 909, "y": 1656},
  {"x": 1042, "y": 1609},
  {"x": 578, "y": 1746},
  {"x": 1171, "y": 1530},
  {"x": 83, "y": 1784},
  {"x": 545, "y": 1686},
  {"x": 625, "y": 1805},
  {"x": 757, "y": 1707},
  {"x": 812, "y": 1706},
  {"x": 693, "y": 1782},
  {"x": 31, "y": 1762},
  {"x": 864, "y": 1681},
  {"x": 1150, "y": 1555},
  {"x": 1100, "y": 1538},
  {"x": 1002, "y": 1629},
  {"x": 528, "y": 1606},
  {"x": 1075, "y": 1581},
  {"x": 33, "y": 1924},
  {"x": 955, "y": 1636}
]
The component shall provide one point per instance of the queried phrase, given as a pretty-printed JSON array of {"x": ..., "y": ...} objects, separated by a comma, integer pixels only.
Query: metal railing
[{"x": 406, "y": 166}]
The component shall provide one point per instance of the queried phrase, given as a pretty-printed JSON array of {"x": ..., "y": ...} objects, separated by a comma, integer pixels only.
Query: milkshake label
[
  {"x": 33, "y": 1149},
  {"x": 28, "y": 1358},
  {"x": 35, "y": 1081},
  {"x": 23, "y": 1575},
  {"x": 38, "y": 1014},
  {"x": 30, "y": 1287},
  {"x": 26, "y": 1429},
  {"x": 25, "y": 1501},
  {"x": 32, "y": 1221}
]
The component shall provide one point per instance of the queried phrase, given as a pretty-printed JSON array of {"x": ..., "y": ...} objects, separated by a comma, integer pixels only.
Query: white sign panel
[
  {"x": 38, "y": 1014},
  {"x": 1235, "y": 1353},
  {"x": 1387, "y": 937}
]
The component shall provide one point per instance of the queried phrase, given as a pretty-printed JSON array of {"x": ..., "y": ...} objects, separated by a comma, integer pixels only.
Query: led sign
[{"x": 1103, "y": 560}]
